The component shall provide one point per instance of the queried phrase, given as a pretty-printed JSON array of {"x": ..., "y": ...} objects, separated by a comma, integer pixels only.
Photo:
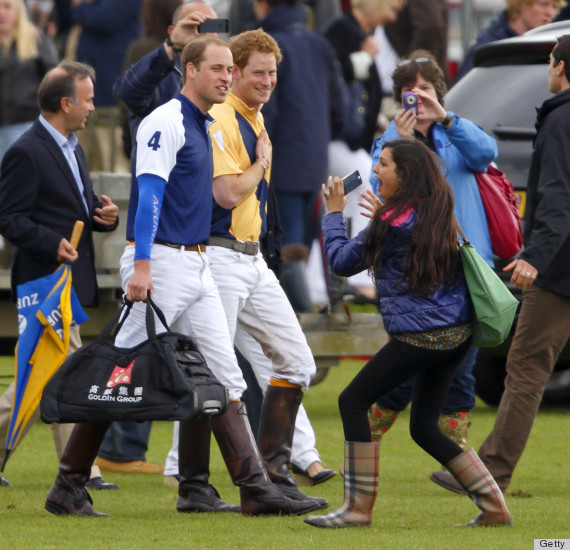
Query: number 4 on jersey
[{"x": 154, "y": 141}]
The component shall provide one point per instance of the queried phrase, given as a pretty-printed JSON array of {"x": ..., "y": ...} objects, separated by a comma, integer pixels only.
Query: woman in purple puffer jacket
[{"x": 411, "y": 247}]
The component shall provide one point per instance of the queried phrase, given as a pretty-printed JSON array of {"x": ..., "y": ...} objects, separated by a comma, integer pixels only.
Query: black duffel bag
[{"x": 163, "y": 378}]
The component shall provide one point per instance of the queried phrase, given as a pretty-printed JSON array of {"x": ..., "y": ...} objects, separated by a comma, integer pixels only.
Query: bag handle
[
  {"x": 460, "y": 231},
  {"x": 115, "y": 320},
  {"x": 118, "y": 320},
  {"x": 150, "y": 325}
]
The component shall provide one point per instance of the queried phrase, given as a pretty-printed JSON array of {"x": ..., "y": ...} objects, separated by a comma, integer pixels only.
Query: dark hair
[
  {"x": 156, "y": 16},
  {"x": 194, "y": 52},
  {"x": 58, "y": 84},
  {"x": 433, "y": 256},
  {"x": 561, "y": 52},
  {"x": 419, "y": 62}
]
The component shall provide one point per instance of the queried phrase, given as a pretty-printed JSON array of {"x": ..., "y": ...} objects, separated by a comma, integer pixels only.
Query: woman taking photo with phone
[{"x": 411, "y": 247}]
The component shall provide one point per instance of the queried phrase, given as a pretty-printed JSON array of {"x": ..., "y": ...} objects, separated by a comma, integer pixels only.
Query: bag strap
[
  {"x": 460, "y": 231},
  {"x": 106, "y": 332},
  {"x": 159, "y": 314},
  {"x": 118, "y": 320}
]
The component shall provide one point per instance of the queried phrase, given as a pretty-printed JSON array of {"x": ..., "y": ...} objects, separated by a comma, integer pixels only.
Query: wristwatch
[
  {"x": 170, "y": 44},
  {"x": 446, "y": 122}
]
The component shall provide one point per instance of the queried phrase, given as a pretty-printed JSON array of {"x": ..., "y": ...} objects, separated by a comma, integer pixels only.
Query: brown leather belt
[
  {"x": 250, "y": 248},
  {"x": 201, "y": 248}
]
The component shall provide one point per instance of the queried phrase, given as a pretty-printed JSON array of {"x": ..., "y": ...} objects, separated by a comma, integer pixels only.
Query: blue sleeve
[
  {"x": 389, "y": 134},
  {"x": 151, "y": 193},
  {"x": 344, "y": 255},
  {"x": 143, "y": 86}
]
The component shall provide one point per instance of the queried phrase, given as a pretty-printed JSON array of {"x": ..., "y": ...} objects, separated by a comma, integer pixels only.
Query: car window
[{"x": 500, "y": 97}]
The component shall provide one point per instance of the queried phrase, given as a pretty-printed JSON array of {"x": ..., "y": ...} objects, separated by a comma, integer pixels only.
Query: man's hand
[
  {"x": 66, "y": 254},
  {"x": 140, "y": 282},
  {"x": 263, "y": 147},
  {"x": 524, "y": 273},
  {"x": 186, "y": 29},
  {"x": 371, "y": 205},
  {"x": 334, "y": 194},
  {"x": 107, "y": 215}
]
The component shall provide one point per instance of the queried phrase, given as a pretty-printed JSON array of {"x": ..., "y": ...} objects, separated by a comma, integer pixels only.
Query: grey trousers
[
  {"x": 60, "y": 432},
  {"x": 542, "y": 331}
]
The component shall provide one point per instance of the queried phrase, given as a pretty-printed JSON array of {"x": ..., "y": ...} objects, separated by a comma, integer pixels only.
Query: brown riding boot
[
  {"x": 245, "y": 465},
  {"x": 481, "y": 487},
  {"x": 275, "y": 439},
  {"x": 68, "y": 495},
  {"x": 195, "y": 494}
]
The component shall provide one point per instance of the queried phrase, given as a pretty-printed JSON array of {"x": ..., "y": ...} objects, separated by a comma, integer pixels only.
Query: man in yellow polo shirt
[{"x": 259, "y": 314}]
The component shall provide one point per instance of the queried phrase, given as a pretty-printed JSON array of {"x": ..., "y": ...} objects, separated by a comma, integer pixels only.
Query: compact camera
[{"x": 410, "y": 102}]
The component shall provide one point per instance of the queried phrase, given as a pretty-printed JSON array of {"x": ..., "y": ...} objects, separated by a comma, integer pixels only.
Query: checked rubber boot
[
  {"x": 68, "y": 495},
  {"x": 245, "y": 465},
  {"x": 275, "y": 438},
  {"x": 456, "y": 427},
  {"x": 478, "y": 483},
  {"x": 360, "y": 488},
  {"x": 195, "y": 494}
]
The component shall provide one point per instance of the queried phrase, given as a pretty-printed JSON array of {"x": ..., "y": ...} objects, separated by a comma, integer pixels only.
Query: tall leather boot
[
  {"x": 456, "y": 427},
  {"x": 275, "y": 439},
  {"x": 480, "y": 486},
  {"x": 245, "y": 465},
  {"x": 68, "y": 495},
  {"x": 195, "y": 494},
  {"x": 293, "y": 278},
  {"x": 360, "y": 488}
]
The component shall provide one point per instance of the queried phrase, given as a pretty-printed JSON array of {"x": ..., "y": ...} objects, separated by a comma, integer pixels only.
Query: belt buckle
[{"x": 251, "y": 248}]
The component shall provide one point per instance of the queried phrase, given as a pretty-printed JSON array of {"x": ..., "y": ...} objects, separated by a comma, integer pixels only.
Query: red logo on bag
[{"x": 121, "y": 375}]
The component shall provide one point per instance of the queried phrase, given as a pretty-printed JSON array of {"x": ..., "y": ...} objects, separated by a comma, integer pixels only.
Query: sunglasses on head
[{"x": 416, "y": 60}]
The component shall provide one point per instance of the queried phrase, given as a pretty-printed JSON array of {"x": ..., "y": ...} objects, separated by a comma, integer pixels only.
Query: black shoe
[
  {"x": 98, "y": 483},
  {"x": 4, "y": 482},
  {"x": 321, "y": 477}
]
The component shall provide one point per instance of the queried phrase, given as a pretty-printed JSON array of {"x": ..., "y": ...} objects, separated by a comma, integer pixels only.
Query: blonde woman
[
  {"x": 519, "y": 17},
  {"x": 26, "y": 54}
]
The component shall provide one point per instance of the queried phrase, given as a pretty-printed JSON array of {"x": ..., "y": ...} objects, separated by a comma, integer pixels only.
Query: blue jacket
[
  {"x": 308, "y": 106},
  {"x": 108, "y": 27},
  {"x": 497, "y": 29},
  {"x": 464, "y": 148},
  {"x": 401, "y": 312}
]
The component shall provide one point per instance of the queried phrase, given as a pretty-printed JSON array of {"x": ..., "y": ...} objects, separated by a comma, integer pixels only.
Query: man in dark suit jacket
[{"x": 44, "y": 188}]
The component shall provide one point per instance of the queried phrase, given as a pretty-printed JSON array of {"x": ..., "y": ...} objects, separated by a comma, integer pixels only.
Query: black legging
[{"x": 395, "y": 363}]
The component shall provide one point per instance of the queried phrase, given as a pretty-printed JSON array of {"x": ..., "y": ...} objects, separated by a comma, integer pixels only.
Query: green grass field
[{"x": 411, "y": 512}]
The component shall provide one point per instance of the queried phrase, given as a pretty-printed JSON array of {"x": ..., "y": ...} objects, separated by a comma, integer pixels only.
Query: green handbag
[{"x": 494, "y": 307}]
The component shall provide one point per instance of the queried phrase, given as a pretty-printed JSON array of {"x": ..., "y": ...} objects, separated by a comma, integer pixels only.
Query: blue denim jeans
[
  {"x": 300, "y": 217},
  {"x": 126, "y": 441},
  {"x": 460, "y": 397}
]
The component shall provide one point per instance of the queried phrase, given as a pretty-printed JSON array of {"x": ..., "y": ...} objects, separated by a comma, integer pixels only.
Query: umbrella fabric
[{"x": 47, "y": 307}]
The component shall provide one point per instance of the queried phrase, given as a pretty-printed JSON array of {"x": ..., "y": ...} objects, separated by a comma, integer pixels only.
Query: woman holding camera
[
  {"x": 463, "y": 148},
  {"x": 411, "y": 247}
]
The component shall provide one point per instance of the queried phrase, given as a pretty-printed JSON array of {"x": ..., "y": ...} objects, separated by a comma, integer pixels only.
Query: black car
[{"x": 501, "y": 95}]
